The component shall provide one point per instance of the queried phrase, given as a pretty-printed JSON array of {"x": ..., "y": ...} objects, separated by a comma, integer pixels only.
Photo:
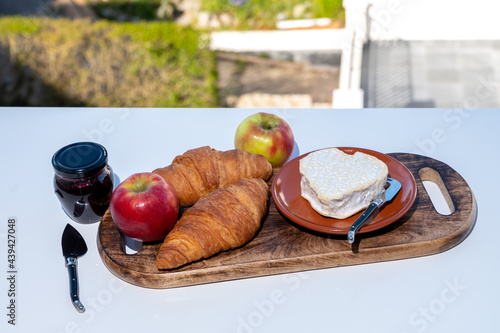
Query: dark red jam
[{"x": 83, "y": 181}]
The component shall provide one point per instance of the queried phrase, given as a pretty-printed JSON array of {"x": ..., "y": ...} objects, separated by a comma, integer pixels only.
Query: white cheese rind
[{"x": 339, "y": 185}]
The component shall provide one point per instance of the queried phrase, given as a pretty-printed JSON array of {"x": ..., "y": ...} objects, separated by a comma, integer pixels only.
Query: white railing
[
  {"x": 349, "y": 94},
  {"x": 278, "y": 40}
]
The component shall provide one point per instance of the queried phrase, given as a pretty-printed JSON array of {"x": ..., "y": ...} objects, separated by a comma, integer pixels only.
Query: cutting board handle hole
[{"x": 437, "y": 191}]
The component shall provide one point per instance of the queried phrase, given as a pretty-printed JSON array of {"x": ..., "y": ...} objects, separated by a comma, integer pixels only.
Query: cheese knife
[
  {"x": 386, "y": 196},
  {"x": 73, "y": 246}
]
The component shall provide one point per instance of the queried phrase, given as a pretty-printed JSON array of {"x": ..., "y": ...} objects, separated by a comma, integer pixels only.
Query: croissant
[
  {"x": 200, "y": 171},
  {"x": 225, "y": 219}
]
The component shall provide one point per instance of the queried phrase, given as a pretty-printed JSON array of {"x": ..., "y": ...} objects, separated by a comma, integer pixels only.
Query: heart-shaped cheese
[{"x": 339, "y": 185}]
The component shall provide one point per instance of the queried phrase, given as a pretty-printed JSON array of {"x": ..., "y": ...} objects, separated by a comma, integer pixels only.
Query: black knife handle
[
  {"x": 362, "y": 219},
  {"x": 73, "y": 284}
]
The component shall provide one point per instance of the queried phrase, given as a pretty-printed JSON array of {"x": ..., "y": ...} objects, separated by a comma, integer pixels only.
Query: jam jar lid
[{"x": 80, "y": 160}]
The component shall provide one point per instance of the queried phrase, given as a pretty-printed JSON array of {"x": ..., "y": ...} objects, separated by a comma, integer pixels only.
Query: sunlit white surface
[{"x": 455, "y": 291}]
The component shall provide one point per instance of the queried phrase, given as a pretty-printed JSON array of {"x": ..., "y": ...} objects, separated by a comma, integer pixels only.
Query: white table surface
[{"x": 455, "y": 291}]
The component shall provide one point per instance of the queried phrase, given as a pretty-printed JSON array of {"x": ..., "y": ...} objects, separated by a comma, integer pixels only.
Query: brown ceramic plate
[{"x": 286, "y": 195}]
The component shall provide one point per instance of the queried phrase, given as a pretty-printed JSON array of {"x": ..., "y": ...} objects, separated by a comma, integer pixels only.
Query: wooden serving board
[{"x": 281, "y": 246}]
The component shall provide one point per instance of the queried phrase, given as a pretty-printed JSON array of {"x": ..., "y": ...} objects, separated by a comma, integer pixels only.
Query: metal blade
[
  {"x": 394, "y": 187},
  {"x": 73, "y": 244}
]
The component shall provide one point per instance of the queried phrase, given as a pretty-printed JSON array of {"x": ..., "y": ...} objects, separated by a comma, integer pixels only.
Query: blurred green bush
[
  {"x": 127, "y": 10},
  {"x": 244, "y": 14},
  {"x": 107, "y": 64},
  {"x": 263, "y": 14}
]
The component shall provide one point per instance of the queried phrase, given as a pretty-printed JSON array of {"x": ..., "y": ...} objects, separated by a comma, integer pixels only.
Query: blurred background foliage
[
  {"x": 263, "y": 14},
  {"x": 132, "y": 56},
  {"x": 245, "y": 14},
  {"x": 147, "y": 64},
  {"x": 127, "y": 10}
]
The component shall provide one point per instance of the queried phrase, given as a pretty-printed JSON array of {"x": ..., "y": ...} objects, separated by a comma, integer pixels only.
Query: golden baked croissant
[
  {"x": 199, "y": 171},
  {"x": 225, "y": 219}
]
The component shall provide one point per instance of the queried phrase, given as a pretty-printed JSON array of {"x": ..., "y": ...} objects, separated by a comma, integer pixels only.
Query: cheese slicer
[
  {"x": 386, "y": 196},
  {"x": 73, "y": 246}
]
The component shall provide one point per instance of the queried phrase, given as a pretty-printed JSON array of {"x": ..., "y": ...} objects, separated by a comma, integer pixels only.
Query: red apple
[
  {"x": 268, "y": 135},
  {"x": 144, "y": 206}
]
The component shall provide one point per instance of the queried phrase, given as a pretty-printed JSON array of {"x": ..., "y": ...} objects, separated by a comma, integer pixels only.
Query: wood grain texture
[{"x": 280, "y": 246}]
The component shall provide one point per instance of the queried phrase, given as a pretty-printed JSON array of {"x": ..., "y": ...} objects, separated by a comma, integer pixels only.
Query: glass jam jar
[{"x": 83, "y": 180}]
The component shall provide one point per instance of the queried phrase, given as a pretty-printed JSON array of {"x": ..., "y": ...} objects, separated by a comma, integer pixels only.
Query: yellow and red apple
[
  {"x": 144, "y": 206},
  {"x": 268, "y": 135}
]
